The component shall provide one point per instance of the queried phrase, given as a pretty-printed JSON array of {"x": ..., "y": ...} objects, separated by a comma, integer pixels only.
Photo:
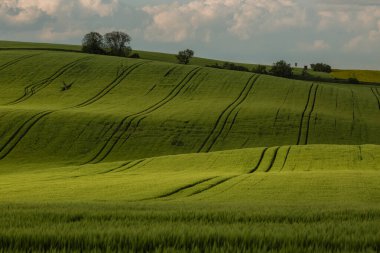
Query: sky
[{"x": 342, "y": 33}]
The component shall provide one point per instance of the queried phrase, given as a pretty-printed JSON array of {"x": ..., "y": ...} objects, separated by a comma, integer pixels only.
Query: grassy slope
[{"x": 133, "y": 130}]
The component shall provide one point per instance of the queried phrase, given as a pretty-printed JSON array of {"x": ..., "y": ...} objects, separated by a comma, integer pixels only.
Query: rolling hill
[{"x": 146, "y": 134}]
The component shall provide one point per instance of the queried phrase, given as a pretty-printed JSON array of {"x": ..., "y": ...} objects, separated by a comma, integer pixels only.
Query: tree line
[{"x": 117, "y": 43}]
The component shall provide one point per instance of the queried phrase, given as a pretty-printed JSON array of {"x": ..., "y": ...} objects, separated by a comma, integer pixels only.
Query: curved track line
[
  {"x": 259, "y": 162},
  {"x": 273, "y": 159},
  {"x": 309, "y": 116},
  {"x": 14, "y": 61},
  {"x": 376, "y": 96},
  {"x": 20, "y": 133},
  {"x": 184, "y": 188},
  {"x": 303, "y": 115},
  {"x": 33, "y": 88},
  {"x": 111, "y": 85},
  {"x": 130, "y": 166},
  {"x": 220, "y": 122},
  {"x": 127, "y": 121},
  {"x": 221, "y": 181},
  {"x": 286, "y": 158}
]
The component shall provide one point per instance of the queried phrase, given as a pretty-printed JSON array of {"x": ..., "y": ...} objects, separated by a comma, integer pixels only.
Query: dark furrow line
[
  {"x": 309, "y": 116},
  {"x": 133, "y": 130},
  {"x": 286, "y": 158},
  {"x": 132, "y": 165},
  {"x": 113, "y": 169},
  {"x": 259, "y": 162},
  {"x": 273, "y": 160},
  {"x": 14, "y": 61},
  {"x": 32, "y": 89},
  {"x": 303, "y": 115},
  {"x": 146, "y": 112},
  {"x": 149, "y": 109},
  {"x": 360, "y": 153},
  {"x": 223, "y": 180},
  {"x": 376, "y": 96},
  {"x": 279, "y": 109},
  {"x": 22, "y": 134},
  {"x": 184, "y": 188},
  {"x": 229, "y": 114},
  {"x": 227, "y": 110},
  {"x": 377, "y": 91},
  {"x": 232, "y": 123},
  {"x": 111, "y": 85}
]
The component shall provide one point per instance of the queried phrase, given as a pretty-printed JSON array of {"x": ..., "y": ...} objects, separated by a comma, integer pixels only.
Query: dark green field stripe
[
  {"x": 376, "y": 96},
  {"x": 309, "y": 116},
  {"x": 20, "y": 133},
  {"x": 184, "y": 188},
  {"x": 273, "y": 160},
  {"x": 303, "y": 115},
  {"x": 130, "y": 166},
  {"x": 220, "y": 123},
  {"x": 126, "y": 122},
  {"x": 111, "y": 85},
  {"x": 279, "y": 109},
  {"x": 128, "y": 131},
  {"x": 32, "y": 89},
  {"x": 14, "y": 61},
  {"x": 286, "y": 158},
  {"x": 221, "y": 181},
  {"x": 259, "y": 162},
  {"x": 232, "y": 123}
]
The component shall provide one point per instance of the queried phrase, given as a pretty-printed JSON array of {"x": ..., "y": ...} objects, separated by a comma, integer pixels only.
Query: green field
[{"x": 148, "y": 155}]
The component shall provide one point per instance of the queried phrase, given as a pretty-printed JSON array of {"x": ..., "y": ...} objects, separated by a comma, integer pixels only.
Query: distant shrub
[
  {"x": 260, "y": 69},
  {"x": 321, "y": 67},
  {"x": 281, "y": 69},
  {"x": 229, "y": 66},
  {"x": 353, "y": 80},
  {"x": 135, "y": 55}
]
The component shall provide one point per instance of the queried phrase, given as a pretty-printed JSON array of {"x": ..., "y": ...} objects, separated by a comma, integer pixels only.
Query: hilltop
[{"x": 154, "y": 135}]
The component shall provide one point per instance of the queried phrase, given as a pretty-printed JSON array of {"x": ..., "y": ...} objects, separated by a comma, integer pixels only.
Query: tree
[
  {"x": 185, "y": 56},
  {"x": 282, "y": 69},
  {"x": 321, "y": 67},
  {"x": 93, "y": 43},
  {"x": 118, "y": 43}
]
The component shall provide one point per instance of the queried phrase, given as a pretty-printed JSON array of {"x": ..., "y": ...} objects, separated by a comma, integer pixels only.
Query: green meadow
[{"x": 145, "y": 155}]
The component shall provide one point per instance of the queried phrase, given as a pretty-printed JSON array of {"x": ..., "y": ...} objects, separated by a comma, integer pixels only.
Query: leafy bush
[
  {"x": 260, "y": 69},
  {"x": 281, "y": 69},
  {"x": 321, "y": 67}
]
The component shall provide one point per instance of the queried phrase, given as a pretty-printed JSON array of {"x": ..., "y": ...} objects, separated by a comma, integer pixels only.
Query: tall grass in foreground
[{"x": 101, "y": 228}]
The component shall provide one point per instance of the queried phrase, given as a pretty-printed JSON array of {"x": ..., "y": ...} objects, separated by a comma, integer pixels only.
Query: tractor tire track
[
  {"x": 232, "y": 124},
  {"x": 111, "y": 85},
  {"x": 259, "y": 162},
  {"x": 184, "y": 188},
  {"x": 221, "y": 181},
  {"x": 376, "y": 96},
  {"x": 126, "y": 122},
  {"x": 14, "y": 61},
  {"x": 303, "y": 115},
  {"x": 222, "y": 120},
  {"x": 33, "y": 88},
  {"x": 282, "y": 105},
  {"x": 309, "y": 116},
  {"x": 273, "y": 159},
  {"x": 286, "y": 158},
  {"x": 20, "y": 133}
]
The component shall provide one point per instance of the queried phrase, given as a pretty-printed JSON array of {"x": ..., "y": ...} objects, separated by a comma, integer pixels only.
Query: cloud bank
[{"x": 338, "y": 31}]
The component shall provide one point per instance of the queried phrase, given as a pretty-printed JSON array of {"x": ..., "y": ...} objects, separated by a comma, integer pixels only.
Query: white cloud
[
  {"x": 177, "y": 21},
  {"x": 99, "y": 7},
  {"x": 317, "y": 45}
]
